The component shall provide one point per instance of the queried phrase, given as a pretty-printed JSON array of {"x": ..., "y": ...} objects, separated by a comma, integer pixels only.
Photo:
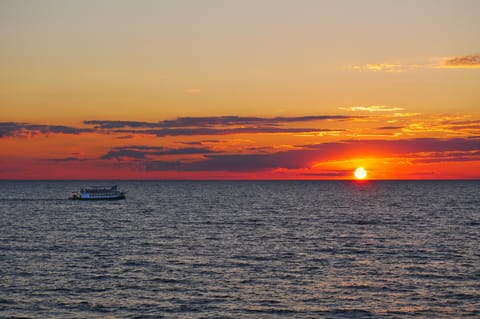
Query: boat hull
[{"x": 98, "y": 197}]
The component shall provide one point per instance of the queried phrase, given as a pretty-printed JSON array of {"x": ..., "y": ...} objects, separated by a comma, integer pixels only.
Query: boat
[{"x": 98, "y": 192}]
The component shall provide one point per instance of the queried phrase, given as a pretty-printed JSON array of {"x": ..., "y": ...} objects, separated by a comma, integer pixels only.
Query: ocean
[{"x": 241, "y": 249}]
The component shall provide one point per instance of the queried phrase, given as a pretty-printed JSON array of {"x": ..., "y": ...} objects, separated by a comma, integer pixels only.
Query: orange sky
[{"x": 239, "y": 90}]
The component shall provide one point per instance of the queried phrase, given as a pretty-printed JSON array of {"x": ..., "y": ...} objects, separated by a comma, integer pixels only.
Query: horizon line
[{"x": 242, "y": 180}]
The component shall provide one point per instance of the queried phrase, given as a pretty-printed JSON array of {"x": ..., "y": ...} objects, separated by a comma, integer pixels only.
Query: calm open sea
[{"x": 242, "y": 250}]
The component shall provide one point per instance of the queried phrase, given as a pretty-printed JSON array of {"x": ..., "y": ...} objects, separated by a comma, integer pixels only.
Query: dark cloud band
[
  {"x": 309, "y": 154},
  {"x": 201, "y": 122},
  {"x": 16, "y": 129}
]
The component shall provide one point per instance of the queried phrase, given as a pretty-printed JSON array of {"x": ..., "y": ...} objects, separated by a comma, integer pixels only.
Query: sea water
[{"x": 291, "y": 249}]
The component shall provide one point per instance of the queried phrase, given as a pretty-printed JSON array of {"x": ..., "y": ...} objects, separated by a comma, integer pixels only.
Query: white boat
[{"x": 98, "y": 192}]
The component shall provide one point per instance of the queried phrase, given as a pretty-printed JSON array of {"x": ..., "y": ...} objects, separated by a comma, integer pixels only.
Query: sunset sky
[{"x": 264, "y": 89}]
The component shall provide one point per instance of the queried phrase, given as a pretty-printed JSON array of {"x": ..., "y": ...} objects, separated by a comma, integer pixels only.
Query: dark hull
[{"x": 99, "y": 198}]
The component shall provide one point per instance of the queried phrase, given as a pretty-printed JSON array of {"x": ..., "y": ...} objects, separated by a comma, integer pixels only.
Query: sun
[{"x": 360, "y": 173}]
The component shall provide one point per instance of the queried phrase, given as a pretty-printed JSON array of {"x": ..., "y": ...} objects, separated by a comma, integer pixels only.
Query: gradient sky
[{"x": 268, "y": 89}]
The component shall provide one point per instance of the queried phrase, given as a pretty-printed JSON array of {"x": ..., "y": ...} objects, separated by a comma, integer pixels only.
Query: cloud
[
  {"x": 372, "y": 108},
  {"x": 401, "y": 147},
  {"x": 405, "y": 114},
  {"x": 107, "y": 124},
  {"x": 17, "y": 129},
  {"x": 390, "y": 128},
  {"x": 331, "y": 173},
  {"x": 455, "y": 62},
  {"x": 215, "y": 125},
  {"x": 120, "y": 154},
  {"x": 68, "y": 159},
  {"x": 143, "y": 152},
  {"x": 125, "y": 137},
  {"x": 466, "y": 156},
  {"x": 209, "y": 121},
  {"x": 239, "y": 162},
  {"x": 465, "y": 127},
  {"x": 463, "y": 61},
  {"x": 310, "y": 154},
  {"x": 242, "y": 120},
  {"x": 469, "y": 125},
  {"x": 467, "y": 122},
  {"x": 380, "y": 67},
  {"x": 223, "y": 131},
  {"x": 201, "y": 142}
]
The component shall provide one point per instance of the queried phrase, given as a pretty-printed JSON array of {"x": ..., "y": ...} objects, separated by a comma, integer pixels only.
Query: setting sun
[{"x": 360, "y": 173}]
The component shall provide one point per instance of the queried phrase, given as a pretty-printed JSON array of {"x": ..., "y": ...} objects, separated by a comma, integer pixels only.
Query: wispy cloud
[
  {"x": 143, "y": 152},
  {"x": 202, "y": 142},
  {"x": 458, "y": 156},
  {"x": 68, "y": 159},
  {"x": 463, "y": 61},
  {"x": 399, "y": 147},
  {"x": 372, "y": 108},
  {"x": 467, "y": 125},
  {"x": 17, "y": 129},
  {"x": 454, "y": 62},
  {"x": 187, "y": 126},
  {"x": 330, "y": 173},
  {"x": 390, "y": 128},
  {"x": 223, "y": 131},
  {"x": 217, "y": 125},
  {"x": 214, "y": 121},
  {"x": 380, "y": 67},
  {"x": 109, "y": 124},
  {"x": 125, "y": 137}
]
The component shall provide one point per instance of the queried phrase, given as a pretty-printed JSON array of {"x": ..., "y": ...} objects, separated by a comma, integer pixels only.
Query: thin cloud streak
[
  {"x": 217, "y": 125},
  {"x": 223, "y": 131},
  {"x": 68, "y": 159},
  {"x": 455, "y": 62},
  {"x": 464, "y": 61},
  {"x": 143, "y": 152},
  {"x": 390, "y": 128},
  {"x": 372, "y": 108},
  {"x": 209, "y": 121},
  {"x": 380, "y": 67}
]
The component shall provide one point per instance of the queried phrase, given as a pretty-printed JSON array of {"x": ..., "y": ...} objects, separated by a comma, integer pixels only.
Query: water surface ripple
[{"x": 242, "y": 250}]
